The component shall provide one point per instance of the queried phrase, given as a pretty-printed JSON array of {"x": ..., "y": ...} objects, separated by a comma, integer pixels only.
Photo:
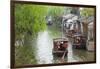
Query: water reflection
[
  {"x": 70, "y": 54},
  {"x": 44, "y": 48}
]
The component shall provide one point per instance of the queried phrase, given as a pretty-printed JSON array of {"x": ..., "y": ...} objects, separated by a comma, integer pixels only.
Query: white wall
[{"x": 5, "y": 34}]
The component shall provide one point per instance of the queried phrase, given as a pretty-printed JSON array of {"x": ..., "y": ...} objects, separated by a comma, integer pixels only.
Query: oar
[{"x": 63, "y": 55}]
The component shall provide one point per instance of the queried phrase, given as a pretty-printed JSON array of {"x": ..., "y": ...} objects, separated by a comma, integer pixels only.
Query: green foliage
[
  {"x": 87, "y": 12},
  {"x": 29, "y": 19},
  {"x": 24, "y": 55},
  {"x": 56, "y": 13},
  {"x": 75, "y": 11}
]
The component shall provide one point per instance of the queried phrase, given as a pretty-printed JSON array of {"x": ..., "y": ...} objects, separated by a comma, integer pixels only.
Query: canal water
[{"x": 44, "y": 46}]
